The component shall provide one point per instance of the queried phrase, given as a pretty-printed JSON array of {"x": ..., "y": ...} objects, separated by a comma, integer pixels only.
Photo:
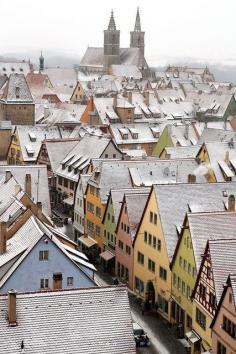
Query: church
[{"x": 97, "y": 60}]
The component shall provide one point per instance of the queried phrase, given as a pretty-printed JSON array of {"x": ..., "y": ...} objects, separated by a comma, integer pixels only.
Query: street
[{"x": 163, "y": 339}]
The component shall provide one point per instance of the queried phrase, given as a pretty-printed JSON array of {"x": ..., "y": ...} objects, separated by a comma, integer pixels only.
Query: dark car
[{"x": 140, "y": 336}]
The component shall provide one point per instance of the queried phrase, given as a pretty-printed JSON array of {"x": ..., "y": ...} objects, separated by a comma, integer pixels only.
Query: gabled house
[
  {"x": 218, "y": 158},
  {"x": 224, "y": 323},
  {"x": 16, "y": 102},
  {"x": 33, "y": 259},
  {"x": 78, "y": 223},
  {"x": 159, "y": 232},
  {"x": 119, "y": 174},
  {"x": 31, "y": 179},
  {"x": 76, "y": 162},
  {"x": 130, "y": 214},
  {"x": 51, "y": 153},
  {"x": 198, "y": 228},
  {"x": 174, "y": 135},
  {"x": 214, "y": 269},
  {"x": 36, "y": 321},
  {"x": 26, "y": 142}
]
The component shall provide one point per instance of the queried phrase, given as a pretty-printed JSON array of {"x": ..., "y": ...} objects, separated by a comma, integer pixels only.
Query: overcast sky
[{"x": 174, "y": 28}]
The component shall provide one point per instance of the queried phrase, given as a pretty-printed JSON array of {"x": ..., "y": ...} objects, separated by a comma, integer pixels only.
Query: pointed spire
[
  {"x": 112, "y": 25},
  {"x": 137, "y": 27}
]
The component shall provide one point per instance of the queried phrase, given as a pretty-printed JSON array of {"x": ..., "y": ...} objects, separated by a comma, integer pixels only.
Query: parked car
[{"x": 140, "y": 336}]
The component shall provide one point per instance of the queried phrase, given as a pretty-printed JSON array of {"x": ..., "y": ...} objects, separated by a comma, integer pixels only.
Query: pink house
[
  {"x": 224, "y": 323},
  {"x": 129, "y": 218}
]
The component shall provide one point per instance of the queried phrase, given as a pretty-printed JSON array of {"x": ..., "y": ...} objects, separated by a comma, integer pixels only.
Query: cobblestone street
[{"x": 163, "y": 338}]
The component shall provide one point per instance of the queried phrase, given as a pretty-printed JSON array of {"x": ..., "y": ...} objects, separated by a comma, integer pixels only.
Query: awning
[
  {"x": 87, "y": 241},
  {"x": 192, "y": 337},
  {"x": 69, "y": 201},
  {"x": 107, "y": 255}
]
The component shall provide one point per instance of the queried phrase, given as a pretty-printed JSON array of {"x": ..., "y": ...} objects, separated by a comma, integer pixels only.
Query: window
[
  {"x": 114, "y": 156},
  {"x": 183, "y": 287},
  {"x": 230, "y": 298},
  {"x": 151, "y": 265},
  {"x": 122, "y": 226},
  {"x": 151, "y": 217},
  {"x": 127, "y": 230},
  {"x": 145, "y": 236},
  {"x": 60, "y": 180},
  {"x": 43, "y": 255},
  {"x": 139, "y": 285},
  {"x": 90, "y": 207},
  {"x": 220, "y": 348},
  {"x": 202, "y": 291},
  {"x": 189, "y": 321},
  {"x": 121, "y": 244},
  {"x": 128, "y": 250},
  {"x": 140, "y": 258},
  {"x": 112, "y": 238},
  {"x": 155, "y": 219},
  {"x": 159, "y": 245},
  {"x": 108, "y": 216},
  {"x": 179, "y": 283},
  {"x": 92, "y": 189},
  {"x": 71, "y": 185},
  {"x": 189, "y": 268},
  {"x": 90, "y": 226},
  {"x": 163, "y": 304},
  {"x": 188, "y": 293},
  {"x": 174, "y": 280},
  {"x": 65, "y": 183},
  {"x": 106, "y": 156},
  {"x": 70, "y": 281},
  {"x": 212, "y": 299},
  {"x": 44, "y": 283},
  {"x": 194, "y": 272},
  {"x": 208, "y": 272},
  {"x": 185, "y": 264},
  {"x": 149, "y": 239},
  {"x": 98, "y": 230},
  {"x": 105, "y": 234},
  {"x": 154, "y": 242},
  {"x": 229, "y": 327},
  {"x": 163, "y": 273},
  {"x": 98, "y": 212},
  {"x": 200, "y": 319},
  {"x": 180, "y": 261},
  {"x": 112, "y": 219}
]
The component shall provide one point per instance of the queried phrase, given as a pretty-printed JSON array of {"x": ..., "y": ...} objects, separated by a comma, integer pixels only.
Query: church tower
[
  {"x": 41, "y": 62},
  {"x": 137, "y": 35},
  {"x": 111, "y": 43}
]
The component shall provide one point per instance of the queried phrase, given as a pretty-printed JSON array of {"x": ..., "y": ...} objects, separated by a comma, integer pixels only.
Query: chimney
[
  {"x": 115, "y": 101},
  {"x": 191, "y": 178},
  {"x": 146, "y": 98},
  {"x": 17, "y": 189},
  {"x": 28, "y": 184},
  {"x": 226, "y": 157},
  {"x": 8, "y": 175},
  {"x": 231, "y": 203},
  {"x": 12, "y": 307},
  {"x": 130, "y": 97},
  {"x": 3, "y": 237}
]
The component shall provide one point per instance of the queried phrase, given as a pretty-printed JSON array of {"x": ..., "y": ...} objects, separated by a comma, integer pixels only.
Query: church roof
[{"x": 94, "y": 57}]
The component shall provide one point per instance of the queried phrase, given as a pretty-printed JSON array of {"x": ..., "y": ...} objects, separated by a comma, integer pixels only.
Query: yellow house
[
  {"x": 79, "y": 95},
  {"x": 94, "y": 211},
  {"x": 151, "y": 273},
  {"x": 14, "y": 156}
]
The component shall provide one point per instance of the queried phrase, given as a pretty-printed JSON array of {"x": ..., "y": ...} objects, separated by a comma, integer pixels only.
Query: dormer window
[{"x": 17, "y": 92}]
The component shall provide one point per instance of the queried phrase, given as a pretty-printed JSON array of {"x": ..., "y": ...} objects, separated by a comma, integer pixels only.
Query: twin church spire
[{"x": 112, "y": 24}]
